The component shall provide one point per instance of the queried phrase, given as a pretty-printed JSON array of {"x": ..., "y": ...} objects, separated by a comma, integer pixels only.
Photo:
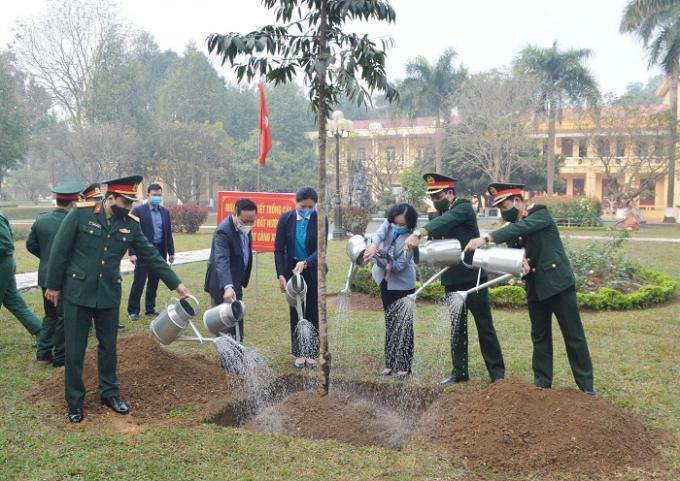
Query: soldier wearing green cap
[
  {"x": 39, "y": 242},
  {"x": 549, "y": 283},
  {"x": 9, "y": 295},
  {"x": 92, "y": 192},
  {"x": 457, "y": 220},
  {"x": 84, "y": 273}
]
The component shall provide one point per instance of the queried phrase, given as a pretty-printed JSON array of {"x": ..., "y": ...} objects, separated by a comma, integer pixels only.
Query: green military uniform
[
  {"x": 85, "y": 266},
  {"x": 459, "y": 221},
  {"x": 550, "y": 287},
  {"x": 93, "y": 192},
  {"x": 9, "y": 295},
  {"x": 39, "y": 242}
]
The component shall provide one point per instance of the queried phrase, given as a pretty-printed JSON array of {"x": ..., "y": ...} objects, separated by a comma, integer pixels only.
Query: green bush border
[{"x": 659, "y": 289}]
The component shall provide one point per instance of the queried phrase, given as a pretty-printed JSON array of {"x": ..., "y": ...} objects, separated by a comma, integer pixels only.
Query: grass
[{"x": 635, "y": 355}]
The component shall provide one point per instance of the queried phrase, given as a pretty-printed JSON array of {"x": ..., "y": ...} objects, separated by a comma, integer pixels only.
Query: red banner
[{"x": 269, "y": 209}]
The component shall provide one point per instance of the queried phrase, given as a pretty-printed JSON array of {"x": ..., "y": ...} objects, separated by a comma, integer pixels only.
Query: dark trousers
[
  {"x": 12, "y": 300},
  {"x": 478, "y": 305},
  {"x": 232, "y": 331},
  {"x": 142, "y": 272},
  {"x": 77, "y": 323},
  {"x": 565, "y": 308},
  {"x": 51, "y": 340},
  {"x": 398, "y": 330},
  {"x": 310, "y": 309}
]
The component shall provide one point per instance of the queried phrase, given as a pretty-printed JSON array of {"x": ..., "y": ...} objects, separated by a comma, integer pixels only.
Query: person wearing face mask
[
  {"x": 156, "y": 224},
  {"x": 231, "y": 259},
  {"x": 83, "y": 273},
  {"x": 549, "y": 282},
  {"x": 395, "y": 272},
  {"x": 457, "y": 220},
  {"x": 295, "y": 249}
]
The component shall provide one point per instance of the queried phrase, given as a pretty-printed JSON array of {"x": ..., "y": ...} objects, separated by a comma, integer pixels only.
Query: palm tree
[
  {"x": 562, "y": 79},
  {"x": 427, "y": 90},
  {"x": 657, "y": 22}
]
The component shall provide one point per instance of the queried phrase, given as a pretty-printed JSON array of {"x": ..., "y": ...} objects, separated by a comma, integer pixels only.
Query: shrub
[
  {"x": 385, "y": 202},
  {"x": 355, "y": 219},
  {"x": 363, "y": 282},
  {"x": 187, "y": 217},
  {"x": 580, "y": 212}
]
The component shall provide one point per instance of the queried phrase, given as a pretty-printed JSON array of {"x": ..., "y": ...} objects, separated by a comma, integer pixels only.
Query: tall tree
[
  {"x": 65, "y": 45},
  {"x": 309, "y": 39},
  {"x": 428, "y": 89},
  {"x": 657, "y": 23},
  {"x": 13, "y": 120},
  {"x": 562, "y": 78}
]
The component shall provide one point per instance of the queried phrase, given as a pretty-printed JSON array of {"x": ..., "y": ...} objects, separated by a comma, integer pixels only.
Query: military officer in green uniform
[
  {"x": 84, "y": 274},
  {"x": 549, "y": 281},
  {"x": 39, "y": 242},
  {"x": 92, "y": 192},
  {"x": 9, "y": 295},
  {"x": 457, "y": 220}
]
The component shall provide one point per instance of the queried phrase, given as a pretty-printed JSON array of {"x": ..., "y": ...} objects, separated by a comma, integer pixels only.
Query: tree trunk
[
  {"x": 437, "y": 145},
  {"x": 550, "y": 160},
  {"x": 324, "y": 355},
  {"x": 673, "y": 139}
]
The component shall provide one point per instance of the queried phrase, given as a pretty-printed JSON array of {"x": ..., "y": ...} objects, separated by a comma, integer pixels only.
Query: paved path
[
  {"x": 29, "y": 280},
  {"x": 636, "y": 239}
]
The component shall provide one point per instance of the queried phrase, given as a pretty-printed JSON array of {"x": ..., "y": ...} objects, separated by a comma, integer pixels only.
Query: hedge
[{"x": 661, "y": 288}]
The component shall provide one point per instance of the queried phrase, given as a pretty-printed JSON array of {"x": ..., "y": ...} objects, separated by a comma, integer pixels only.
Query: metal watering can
[
  {"x": 356, "y": 246},
  {"x": 296, "y": 290},
  {"x": 500, "y": 260},
  {"x": 168, "y": 326},
  {"x": 224, "y": 316},
  {"x": 440, "y": 253}
]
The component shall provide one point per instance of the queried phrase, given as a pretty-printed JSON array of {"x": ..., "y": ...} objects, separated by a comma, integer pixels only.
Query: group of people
[
  {"x": 547, "y": 274},
  {"x": 81, "y": 243}
]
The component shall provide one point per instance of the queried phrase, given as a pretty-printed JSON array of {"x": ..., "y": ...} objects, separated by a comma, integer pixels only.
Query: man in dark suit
[
  {"x": 295, "y": 252},
  {"x": 156, "y": 225},
  {"x": 231, "y": 258}
]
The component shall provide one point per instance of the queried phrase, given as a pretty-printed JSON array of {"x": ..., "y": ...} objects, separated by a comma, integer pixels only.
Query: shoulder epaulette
[
  {"x": 80, "y": 205},
  {"x": 133, "y": 217}
]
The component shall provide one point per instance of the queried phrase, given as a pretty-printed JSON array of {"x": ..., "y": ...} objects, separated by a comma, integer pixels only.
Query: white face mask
[{"x": 245, "y": 228}]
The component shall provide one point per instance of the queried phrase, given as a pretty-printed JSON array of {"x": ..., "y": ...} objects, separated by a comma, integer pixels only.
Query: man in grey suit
[{"x": 231, "y": 258}]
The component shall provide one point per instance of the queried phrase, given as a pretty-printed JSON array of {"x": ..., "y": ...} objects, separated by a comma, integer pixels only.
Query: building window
[
  {"x": 660, "y": 147},
  {"x": 608, "y": 187},
  {"x": 361, "y": 154},
  {"x": 642, "y": 147},
  {"x": 620, "y": 147},
  {"x": 420, "y": 154},
  {"x": 544, "y": 147},
  {"x": 579, "y": 187},
  {"x": 647, "y": 192},
  {"x": 568, "y": 147},
  {"x": 390, "y": 153},
  {"x": 583, "y": 148},
  {"x": 603, "y": 147}
]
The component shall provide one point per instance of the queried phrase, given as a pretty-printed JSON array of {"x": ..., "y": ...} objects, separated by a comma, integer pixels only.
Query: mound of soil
[
  {"x": 343, "y": 417},
  {"x": 514, "y": 426},
  {"x": 153, "y": 380}
]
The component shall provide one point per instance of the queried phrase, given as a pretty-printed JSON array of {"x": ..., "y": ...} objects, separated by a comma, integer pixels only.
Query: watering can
[
  {"x": 224, "y": 316},
  {"x": 356, "y": 246},
  {"x": 168, "y": 326},
  {"x": 500, "y": 260},
  {"x": 296, "y": 289},
  {"x": 440, "y": 253}
]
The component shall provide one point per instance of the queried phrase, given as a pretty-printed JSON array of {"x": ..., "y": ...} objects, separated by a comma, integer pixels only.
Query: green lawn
[{"x": 635, "y": 356}]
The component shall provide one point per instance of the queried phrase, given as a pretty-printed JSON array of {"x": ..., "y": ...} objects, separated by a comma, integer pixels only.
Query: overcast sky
[{"x": 485, "y": 33}]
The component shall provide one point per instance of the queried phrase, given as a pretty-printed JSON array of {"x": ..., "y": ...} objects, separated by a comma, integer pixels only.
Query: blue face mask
[
  {"x": 399, "y": 230},
  {"x": 156, "y": 200},
  {"x": 305, "y": 212}
]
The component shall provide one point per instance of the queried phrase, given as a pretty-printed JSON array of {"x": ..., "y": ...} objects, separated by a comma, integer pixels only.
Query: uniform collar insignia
[
  {"x": 124, "y": 230},
  {"x": 94, "y": 224},
  {"x": 98, "y": 209}
]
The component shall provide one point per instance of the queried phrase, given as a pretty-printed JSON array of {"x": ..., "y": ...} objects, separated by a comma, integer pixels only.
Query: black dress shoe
[
  {"x": 116, "y": 404},
  {"x": 46, "y": 358},
  {"x": 120, "y": 326},
  {"x": 133, "y": 317},
  {"x": 58, "y": 363},
  {"x": 589, "y": 392},
  {"x": 75, "y": 415},
  {"x": 453, "y": 379},
  {"x": 152, "y": 313}
]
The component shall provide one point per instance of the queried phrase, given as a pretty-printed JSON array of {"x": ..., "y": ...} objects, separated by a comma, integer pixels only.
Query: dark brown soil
[
  {"x": 515, "y": 426},
  {"x": 153, "y": 381},
  {"x": 358, "y": 302},
  {"x": 343, "y": 417}
]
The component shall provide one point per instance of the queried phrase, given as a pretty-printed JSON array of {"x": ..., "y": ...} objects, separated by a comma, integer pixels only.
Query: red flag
[{"x": 265, "y": 129}]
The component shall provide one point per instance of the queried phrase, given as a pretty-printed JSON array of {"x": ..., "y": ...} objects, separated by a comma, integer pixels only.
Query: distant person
[
  {"x": 395, "y": 273},
  {"x": 9, "y": 295},
  {"x": 548, "y": 280},
  {"x": 295, "y": 252},
  {"x": 231, "y": 259},
  {"x": 93, "y": 192},
  {"x": 156, "y": 225},
  {"x": 457, "y": 220},
  {"x": 39, "y": 243}
]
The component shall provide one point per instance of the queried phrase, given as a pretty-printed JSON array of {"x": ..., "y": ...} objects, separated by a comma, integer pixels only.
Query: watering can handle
[
  {"x": 176, "y": 299},
  {"x": 462, "y": 261}
]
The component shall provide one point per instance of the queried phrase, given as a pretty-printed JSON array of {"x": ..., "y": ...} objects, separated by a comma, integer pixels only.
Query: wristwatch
[
  {"x": 486, "y": 238},
  {"x": 418, "y": 233}
]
